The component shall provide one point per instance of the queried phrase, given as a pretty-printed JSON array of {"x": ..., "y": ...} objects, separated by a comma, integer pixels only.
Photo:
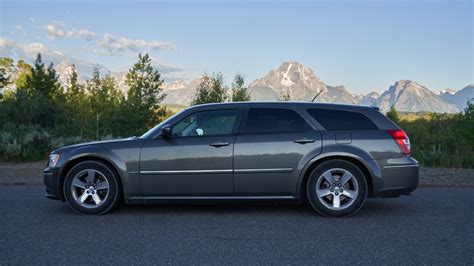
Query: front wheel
[
  {"x": 91, "y": 187},
  {"x": 337, "y": 188}
]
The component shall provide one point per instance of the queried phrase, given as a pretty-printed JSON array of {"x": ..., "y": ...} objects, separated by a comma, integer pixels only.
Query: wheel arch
[
  {"x": 310, "y": 166},
  {"x": 73, "y": 162}
]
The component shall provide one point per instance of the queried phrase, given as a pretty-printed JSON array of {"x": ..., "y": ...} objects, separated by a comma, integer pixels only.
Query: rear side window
[
  {"x": 266, "y": 120},
  {"x": 341, "y": 120}
]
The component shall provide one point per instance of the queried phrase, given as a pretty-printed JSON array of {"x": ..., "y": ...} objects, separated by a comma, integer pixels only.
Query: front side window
[
  {"x": 206, "y": 123},
  {"x": 266, "y": 120}
]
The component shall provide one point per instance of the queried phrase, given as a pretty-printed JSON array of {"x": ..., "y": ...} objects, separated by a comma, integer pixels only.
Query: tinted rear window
[
  {"x": 266, "y": 120},
  {"x": 341, "y": 120}
]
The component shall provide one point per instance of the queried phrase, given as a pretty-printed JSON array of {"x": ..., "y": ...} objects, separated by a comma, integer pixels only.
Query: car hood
[{"x": 92, "y": 143}]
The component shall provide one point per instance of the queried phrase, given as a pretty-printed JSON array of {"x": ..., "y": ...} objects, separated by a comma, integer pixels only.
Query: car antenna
[{"x": 316, "y": 96}]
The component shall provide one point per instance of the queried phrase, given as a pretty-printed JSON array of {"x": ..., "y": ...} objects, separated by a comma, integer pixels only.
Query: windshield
[{"x": 152, "y": 131}]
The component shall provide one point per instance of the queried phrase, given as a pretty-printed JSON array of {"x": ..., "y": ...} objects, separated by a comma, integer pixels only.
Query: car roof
[
  {"x": 336, "y": 106},
  {"x": 378, "y": 118}
]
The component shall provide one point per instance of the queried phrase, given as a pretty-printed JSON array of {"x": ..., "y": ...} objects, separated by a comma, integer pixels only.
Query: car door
[
  {"x": 195, "y": 160},
  {"x": 271, "y": 151}
]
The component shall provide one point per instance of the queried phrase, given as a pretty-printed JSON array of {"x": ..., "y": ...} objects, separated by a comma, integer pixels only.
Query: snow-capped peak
[
  {"x": 175, "y": 85},
  {"x": 299, "y": 83},
  {"x": 445, "y": 91}
]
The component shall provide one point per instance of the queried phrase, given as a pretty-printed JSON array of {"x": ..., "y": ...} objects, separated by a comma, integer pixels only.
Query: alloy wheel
[
  {"x": 337, "y": 189},
  {"x": 90, "y": 188}
]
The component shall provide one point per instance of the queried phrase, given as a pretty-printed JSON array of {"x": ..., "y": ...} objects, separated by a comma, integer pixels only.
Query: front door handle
[
  {"x": 219, "y": 144},
  {"x": 303, "y": 141}
]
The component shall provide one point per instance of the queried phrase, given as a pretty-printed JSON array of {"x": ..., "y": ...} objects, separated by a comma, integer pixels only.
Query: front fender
[{"x": 123, "y": 157}]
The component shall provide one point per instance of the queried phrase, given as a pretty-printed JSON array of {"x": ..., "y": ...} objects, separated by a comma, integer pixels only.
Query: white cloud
[
  {"x": 170, "y": 72},
  {"x": 28, "y": 52},
  {"x": 32, "y": 19},
  {"x": 57, "y": 30},
  {"x": 165, "y": 68},
  {"x": 109, "y": 44},
  {"x": 9, "y": 48}
]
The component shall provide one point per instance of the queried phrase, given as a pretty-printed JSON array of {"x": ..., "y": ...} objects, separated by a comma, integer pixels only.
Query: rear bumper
[
  {"x": 52, "y": 183},
  {"x": 398, "y": 179}
]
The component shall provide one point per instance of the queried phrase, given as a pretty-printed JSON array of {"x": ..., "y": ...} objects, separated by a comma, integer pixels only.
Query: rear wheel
[
  {"x": 91, "y": 187},
  {"x": 337, "y": 188}
]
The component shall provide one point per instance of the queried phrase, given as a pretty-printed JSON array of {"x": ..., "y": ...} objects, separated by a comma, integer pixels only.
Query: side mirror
[{"x": 166, "y": 131}]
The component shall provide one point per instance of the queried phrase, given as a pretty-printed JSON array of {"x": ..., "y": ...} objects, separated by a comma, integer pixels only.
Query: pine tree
[
  {"x": 43, "y": 80},
  {"x": 145, "y": 93},
  {"x": 211, "y": 90},
  {"x": 35, "y": 96},
  {"x": 5, "y": 100},
  {"x": 203, "y": 90},
  {"x": 285, "y": 97},
  {"x": 77, "y": 106},
  {"x": 4, "y": 81},
  {"x": 15, "y": 105},
  {"x": 239, "y": 91},
  {"x": 393, "y": 114},
  {"x": 23, "y": 72},
  {"x": 104, "y": 102},
  {"x": 6, "y": 64}
]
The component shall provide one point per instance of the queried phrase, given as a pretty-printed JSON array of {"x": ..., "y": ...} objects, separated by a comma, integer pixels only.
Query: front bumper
[
  {"x": 398, "y": 179},
  {"x": 53, "y": 183}
]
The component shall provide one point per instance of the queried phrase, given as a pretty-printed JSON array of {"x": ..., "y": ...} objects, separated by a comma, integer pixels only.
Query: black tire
[
  {"x": 320, "y": 204},
  {"x": 113, "y": 195}
]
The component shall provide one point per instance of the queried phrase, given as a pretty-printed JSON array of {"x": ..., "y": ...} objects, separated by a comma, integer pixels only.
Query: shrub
[
  {"x": 10, "y": 148},
  {"x": 443, "y": 140},
  {"x": 35, "y": 144},
  {"x": 64, "y": 141},
  {"x": 31, "y": 143}
]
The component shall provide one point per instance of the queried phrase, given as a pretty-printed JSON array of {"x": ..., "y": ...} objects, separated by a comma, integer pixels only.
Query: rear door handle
[
  {"x": 219, "y": 144},
  {"x": 303, "y": 141}
]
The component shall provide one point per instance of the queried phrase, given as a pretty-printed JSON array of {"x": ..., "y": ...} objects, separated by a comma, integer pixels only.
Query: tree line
[
  {"x": 443, "y": 140},
  {"x": 41, "y": 113}
]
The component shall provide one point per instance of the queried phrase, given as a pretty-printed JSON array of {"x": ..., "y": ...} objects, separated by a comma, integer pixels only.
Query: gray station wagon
[{"x": 333, "y": 156}]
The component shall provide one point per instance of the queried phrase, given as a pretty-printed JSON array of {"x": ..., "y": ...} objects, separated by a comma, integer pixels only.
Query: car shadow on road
[{"x": 373, "y": 207}]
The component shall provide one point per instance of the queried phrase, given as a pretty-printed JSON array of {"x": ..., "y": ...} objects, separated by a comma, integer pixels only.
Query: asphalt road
[{"x": 431, "y": 226}]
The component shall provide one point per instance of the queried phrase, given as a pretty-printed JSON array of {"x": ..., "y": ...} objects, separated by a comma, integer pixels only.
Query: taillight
[{"x": 401, "y": 139}]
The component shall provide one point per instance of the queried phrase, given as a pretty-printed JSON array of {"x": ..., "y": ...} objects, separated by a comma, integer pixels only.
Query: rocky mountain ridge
[
  {"x": 299, "y": 83},
  {"x": 409, "y": 96}
]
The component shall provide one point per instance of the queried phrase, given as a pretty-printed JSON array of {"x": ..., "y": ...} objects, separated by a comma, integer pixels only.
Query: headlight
[{"x": 53, "y": 160}]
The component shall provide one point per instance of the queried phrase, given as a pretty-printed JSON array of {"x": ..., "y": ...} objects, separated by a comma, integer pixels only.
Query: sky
[{"x": 363, "y": 45}]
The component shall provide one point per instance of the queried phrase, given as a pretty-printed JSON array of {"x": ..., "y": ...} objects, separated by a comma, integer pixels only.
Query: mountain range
[
  {"x": 409, "y": 96},
  {"x": 458, "y": 98},
  {"x": 299, "y": 83}
]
